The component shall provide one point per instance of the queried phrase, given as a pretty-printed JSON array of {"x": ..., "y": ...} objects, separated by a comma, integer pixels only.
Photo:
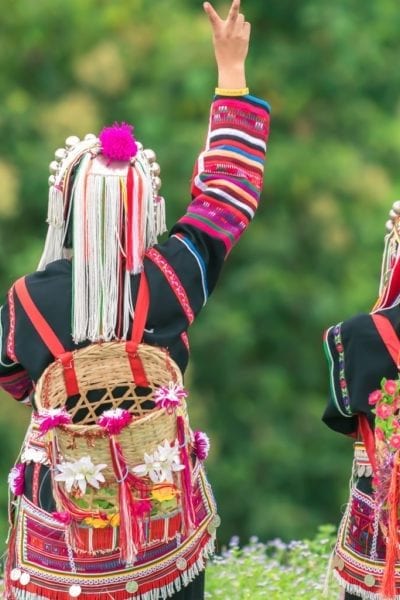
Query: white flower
[
  {"x": 162, "y": 464},
  {"x": 79, "y": 473},
  {"x": 33, "y": 455}
]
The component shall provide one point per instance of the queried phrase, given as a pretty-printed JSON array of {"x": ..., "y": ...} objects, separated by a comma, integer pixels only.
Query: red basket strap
[
  {"x": 48, "y": 336},
  {"x": 139, "y": 322},
  {"x": 389, "y": 336}
]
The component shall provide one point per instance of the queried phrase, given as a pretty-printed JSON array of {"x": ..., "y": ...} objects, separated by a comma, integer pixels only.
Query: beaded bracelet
[{"x": 231, "y": 92}]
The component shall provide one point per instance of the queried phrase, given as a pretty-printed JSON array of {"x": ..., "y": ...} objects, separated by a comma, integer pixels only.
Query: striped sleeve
[{"x": 228, "y": 175}]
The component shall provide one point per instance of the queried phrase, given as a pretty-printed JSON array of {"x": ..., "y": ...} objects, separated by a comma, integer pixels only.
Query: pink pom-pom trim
[
  {"x": 115, "y": 420},
  {"x": 16, "y": 479},
  {"x": 54, "y": 417},
  {"x": 118, "y": 142},
  {"x": 169, "y": 396},
  {"x": 201, "y": 445}
]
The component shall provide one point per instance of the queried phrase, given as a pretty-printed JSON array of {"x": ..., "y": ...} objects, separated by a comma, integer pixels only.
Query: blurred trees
[{"x": 312, "y": 256}]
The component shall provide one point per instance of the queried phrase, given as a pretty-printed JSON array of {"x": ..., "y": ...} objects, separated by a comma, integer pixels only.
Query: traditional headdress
[
  {"x": 389, "y": 288},
  {"x": 104, "y": 203}
]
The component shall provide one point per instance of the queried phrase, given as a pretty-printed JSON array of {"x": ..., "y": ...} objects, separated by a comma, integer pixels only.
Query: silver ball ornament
[
  {"x": 60, "y": 153},
  {"x": 150, "y": 155},
  {"x": 71, "y": 141},
  {"x": 156, "y": 183},
  {"x": 389, "y": 226},
  {"x": 139, "y": 146},
  {"x": 90, "y": 136},
  {"x": 393, "y": 215},
  {"x": 52, "y": 180},
  {"x": 396, "y": 207},
  {"x": 53, "y": 166},
  {"x": 155, "y": 168}
]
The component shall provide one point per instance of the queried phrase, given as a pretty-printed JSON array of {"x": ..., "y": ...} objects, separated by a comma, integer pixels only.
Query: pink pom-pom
[
  {"x": 169, "y": 396},
  {"x": 201, "y": 445},
  {"x": 54, "y": 417},
  {"x": 114, "y": 420},
  {"x": 16, "y": 479},
  {"x": 118, "y": 142}
]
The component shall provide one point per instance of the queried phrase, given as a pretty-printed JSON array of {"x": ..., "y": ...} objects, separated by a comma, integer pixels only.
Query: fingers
[
  {"x": 233, "y": 12},
  {"x": 211, "y": 13}
]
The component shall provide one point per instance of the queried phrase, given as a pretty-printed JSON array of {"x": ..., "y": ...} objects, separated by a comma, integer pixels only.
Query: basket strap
[
  {"x": 48, "y": 336},
  {"x": 139, "y": 322},
  {"x": 389, "y": 337}
]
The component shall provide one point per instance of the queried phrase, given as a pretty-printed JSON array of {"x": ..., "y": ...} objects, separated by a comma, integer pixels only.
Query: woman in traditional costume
[
  {"x": 364, "y": 356},
  {"x": 109, "y": 498}
]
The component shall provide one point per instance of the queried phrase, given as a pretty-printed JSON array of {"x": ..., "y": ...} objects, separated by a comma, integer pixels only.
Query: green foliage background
[{"x": 312, "y": 256}]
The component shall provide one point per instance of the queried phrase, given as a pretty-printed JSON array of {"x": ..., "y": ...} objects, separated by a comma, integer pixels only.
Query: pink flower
[
  {"x": 395, "y": 441},
  {"x": 374, "y": 397},
  {"x": 201, "y": 445},
  {"x": 115, "y": 420},
  {"x": 390, "y": 386},
  {"x": 383, "y": 411},
  {"x": 54, "y": 417},
  {"x": 118, "y": 142},
  {"x": 169, "y": 396},
  {"x": 16, "y": 479},
  {"x": 379, "y": 434},
  {"x": 62, "y": 517}
]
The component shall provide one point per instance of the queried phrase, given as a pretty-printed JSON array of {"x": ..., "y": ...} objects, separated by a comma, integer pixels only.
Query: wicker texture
[{"x": 105, "y": 381}]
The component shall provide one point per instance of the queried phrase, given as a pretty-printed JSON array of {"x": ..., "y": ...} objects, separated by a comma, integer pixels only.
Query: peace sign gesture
[{"x": 231, "y": 37}]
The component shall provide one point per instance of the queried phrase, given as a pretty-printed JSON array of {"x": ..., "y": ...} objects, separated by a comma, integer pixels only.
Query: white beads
[
  {"x": 389, "y": 225},
  {"x": 24, "y": 579},
  {"x": 155, "y": 168},
  {"x": 150, "y": 155},
  {"x": 71, "y": 141},
  {"x": 60, "y": 153},
  {"x": 75, "y": 590},
  {"x": 90, "y": 136},
  {"x": 132, "y": 587},
  {"x": 15, "y": 574},
  {"x": 53, "y": 166},
  {"x": 18, "y": 575},
  {"x": 156, "y": 183},
  {"x": 181, "y": 563}
]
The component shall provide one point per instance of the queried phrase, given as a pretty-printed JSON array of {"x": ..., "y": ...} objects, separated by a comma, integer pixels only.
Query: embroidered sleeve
[
  {"x": 13, "y": 377},
  {"x": 335, "y": 354},
  {"x": 228, "y": 175}
]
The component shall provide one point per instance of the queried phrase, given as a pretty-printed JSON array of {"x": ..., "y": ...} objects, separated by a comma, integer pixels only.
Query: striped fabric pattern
[{"x": 228, "y": 177}]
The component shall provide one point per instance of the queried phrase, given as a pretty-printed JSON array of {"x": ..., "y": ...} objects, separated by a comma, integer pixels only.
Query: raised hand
[{"x": 231, "y": 37}]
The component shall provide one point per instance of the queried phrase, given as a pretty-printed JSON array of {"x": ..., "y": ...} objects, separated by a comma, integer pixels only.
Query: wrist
[{"x": 232, "y": 77}]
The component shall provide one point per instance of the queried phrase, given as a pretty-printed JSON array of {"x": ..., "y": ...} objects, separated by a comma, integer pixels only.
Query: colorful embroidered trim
[
  {"x": 185, "y": 340},
  {"x": 42, "y": 554},
  {"x": 173, "y": 280},
  {"x": 199, "y": 260},
  {"x": 343, "y": 407},
  {"x": 11, "y": 330}
]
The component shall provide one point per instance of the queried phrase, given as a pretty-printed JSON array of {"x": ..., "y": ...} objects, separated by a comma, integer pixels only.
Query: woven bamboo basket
[{"x": 105, "y": 382}]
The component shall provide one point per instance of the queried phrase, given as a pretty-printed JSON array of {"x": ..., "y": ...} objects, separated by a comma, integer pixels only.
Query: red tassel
[
  {"x": 186, "y": 479},
  {"x": 388, "y": 581},
  {"x": 128, "y": 527}
]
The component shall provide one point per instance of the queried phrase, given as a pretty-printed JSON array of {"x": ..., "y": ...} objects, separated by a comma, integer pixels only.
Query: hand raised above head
[{"x": 231, "y": 37}]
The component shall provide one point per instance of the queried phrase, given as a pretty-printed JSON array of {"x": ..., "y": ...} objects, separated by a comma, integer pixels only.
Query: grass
[{"x": 274, "y": 570}]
